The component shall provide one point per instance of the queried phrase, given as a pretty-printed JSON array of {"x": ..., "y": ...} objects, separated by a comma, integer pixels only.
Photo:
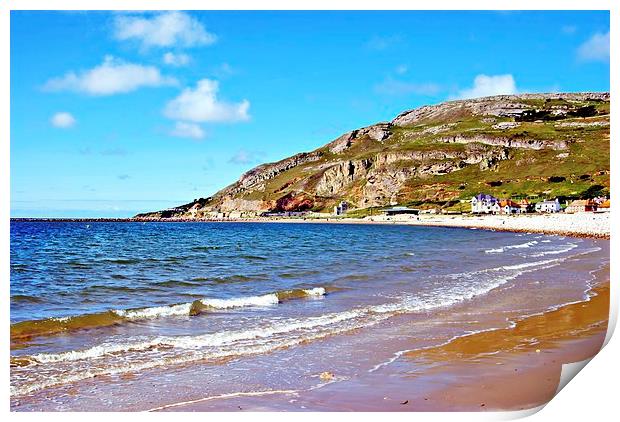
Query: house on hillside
[
  {"x": 507, "y": 206},
  {"x": 581, "y": 205},
  {"x": 484, "y": 204},
  {"x": 548, "y": 206}
]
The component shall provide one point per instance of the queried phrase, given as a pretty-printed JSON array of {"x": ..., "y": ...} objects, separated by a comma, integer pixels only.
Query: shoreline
[
  {"x": 495, "y": 370},
  {"x": 585, "y": 225}
]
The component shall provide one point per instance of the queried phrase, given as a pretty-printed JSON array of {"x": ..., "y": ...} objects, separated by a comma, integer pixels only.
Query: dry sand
[
  {"x": 588, "y": 224},
  {"x": 580, "y": 224}
]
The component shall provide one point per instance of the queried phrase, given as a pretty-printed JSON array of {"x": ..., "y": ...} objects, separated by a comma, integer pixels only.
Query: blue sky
[{"x": 118, "y": 113}]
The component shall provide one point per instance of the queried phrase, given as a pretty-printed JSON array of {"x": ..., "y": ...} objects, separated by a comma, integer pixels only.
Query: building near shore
[
  {"x": 400, "y": 211},
  {"x": 507, "y": 206},
  {"x": 341, "y": 208},
  {"x": 548, "y": 206},
  {"x": 605, "y": 206},
  {"x": 581, "y": 205},
  {"x": 525, "y": 206},
  {"x": 484, "y": 204}
]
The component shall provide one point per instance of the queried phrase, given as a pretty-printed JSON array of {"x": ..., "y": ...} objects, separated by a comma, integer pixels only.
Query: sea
[{"x": 142, "y": 315}]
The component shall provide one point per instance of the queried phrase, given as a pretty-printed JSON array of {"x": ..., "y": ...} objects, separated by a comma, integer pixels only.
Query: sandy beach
[
  {"x": 516, "y": 368},
  {"x": 580, "y": 224}
]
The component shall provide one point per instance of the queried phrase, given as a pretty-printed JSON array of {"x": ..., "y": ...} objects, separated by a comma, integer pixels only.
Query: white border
[{"x": 591, "y": 396}]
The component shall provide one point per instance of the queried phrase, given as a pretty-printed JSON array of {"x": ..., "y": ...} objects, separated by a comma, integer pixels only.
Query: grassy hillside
[{"x": 537, "y": 146}]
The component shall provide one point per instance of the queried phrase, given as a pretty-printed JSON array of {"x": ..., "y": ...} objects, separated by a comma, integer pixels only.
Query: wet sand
[{"x": 514, "y": 368}]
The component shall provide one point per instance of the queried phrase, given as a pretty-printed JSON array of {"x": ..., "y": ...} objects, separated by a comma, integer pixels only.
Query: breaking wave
[
  {"x": 26, "y": 329},
  {"x": 519, "y": 246},
  {"x": 144, "y": 352}
]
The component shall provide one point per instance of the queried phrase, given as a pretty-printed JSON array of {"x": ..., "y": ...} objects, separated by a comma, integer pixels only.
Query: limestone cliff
[{"x": 509, "y": 145}]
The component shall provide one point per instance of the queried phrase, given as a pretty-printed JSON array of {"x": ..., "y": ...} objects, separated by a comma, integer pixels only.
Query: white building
[
  {"x": 341, "y": 208},
  {"x": 548, "y": 206},
  {"x": 484, "y": 204}
]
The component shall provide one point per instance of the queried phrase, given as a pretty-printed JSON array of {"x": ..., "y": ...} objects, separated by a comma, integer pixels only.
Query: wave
[
  {"x": 25, "y": 298},
  {"x": 568, "y": 248},
  {"x": 465, "y": 286},
  {"x": 519, "y": 246},
  {"x": 214, "y": 340},
  {"x": 25, "y": 330},
  {"x": 219, "y": 346},
  {"x": 141, "y": 353},
  {"x": 177, "y": 283}
]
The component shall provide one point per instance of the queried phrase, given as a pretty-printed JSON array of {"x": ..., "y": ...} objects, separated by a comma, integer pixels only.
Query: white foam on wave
[
  {"x": 519, "y": 246},
  {"x": 530, "y": 264},
  {"x": 155, "y": 312},
  {"x": 316, "y": 291},
  {"x": 240, "y": 302},
  {"x": 183, "y": 309},
  {"x": 498, "y": 250},
  {"x": 217, "y": 339},
  {"x": 124, "y": 367},
  {"x": 167, "y": 350},
  {"x": 566, "y": 248},
  {"x": 471, "y": 284}
]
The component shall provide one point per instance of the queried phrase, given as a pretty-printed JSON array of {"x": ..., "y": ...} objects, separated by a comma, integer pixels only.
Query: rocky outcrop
[
  {"x": 506, "y": 125},
  {"x": 498, "y": 106},
  {"x": 238, "y": 204},
  {"x": 386, "y": 173},
  {"x": 507, "y": 142},
  {"x": 378, "y": 132},
  {"x": 335, "y": 178},
  {"x": 599, "y": 123},
  {"x": 253, "y": 179}
]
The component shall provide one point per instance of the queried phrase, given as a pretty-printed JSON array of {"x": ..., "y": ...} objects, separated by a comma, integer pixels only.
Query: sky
[{"x": 115, "y": 113}]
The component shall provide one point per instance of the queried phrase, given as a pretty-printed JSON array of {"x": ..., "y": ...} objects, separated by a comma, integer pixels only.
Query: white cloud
[
  {"x": 113, "y": 76},
  {"x": 596, "y": 48},
  {"x": 63, "y": 120},
  {"x": 201, "y": 104},
  {"x": 392, "y": 86},
  {"x": 163, "y": 30},
  {"x": 177, "y": 60},
  {"x": 485, "y": 86},
  {"x": 188, "y": 130}
]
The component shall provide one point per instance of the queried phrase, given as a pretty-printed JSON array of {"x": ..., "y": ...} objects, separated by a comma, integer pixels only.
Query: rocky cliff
[{"x": 509, "y": 145}]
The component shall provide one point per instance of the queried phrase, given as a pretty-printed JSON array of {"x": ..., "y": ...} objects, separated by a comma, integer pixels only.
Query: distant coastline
[{"x": 587, "y": 225}]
